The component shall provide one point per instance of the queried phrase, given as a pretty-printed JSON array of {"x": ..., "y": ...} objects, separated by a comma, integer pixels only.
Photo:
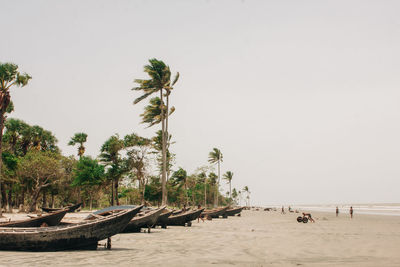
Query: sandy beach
[{"x": 257, "y": 238}]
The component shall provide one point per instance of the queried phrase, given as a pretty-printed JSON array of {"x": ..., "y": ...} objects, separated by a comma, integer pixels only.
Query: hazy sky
[{"x": 302, "y": 97}]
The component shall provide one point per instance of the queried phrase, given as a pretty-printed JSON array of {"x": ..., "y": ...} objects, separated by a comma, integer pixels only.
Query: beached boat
[
  {"x": 71, "y": 208},
  {"x": 83, "y": 235},
  {"x": 176, "y": 212},
  {"x": 183, "y": 219},
  {"x": 163, "y": 218},
  {"x": 51, "y": 219},
  {"x": 233, "y": 212},
  {"x": 215, "y": 213},
  {"x": 146, "y": 219}
]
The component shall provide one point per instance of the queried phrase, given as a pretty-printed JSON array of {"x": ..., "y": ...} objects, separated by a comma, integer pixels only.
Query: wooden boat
[
  {"x": 70, "y": 208},
  {"x": 215, "y": 213},
  {"x": 51, "y": 219},
  {"x": 144, "y": 219},
  {"x": 233, "y": 212},
  {"x": 180, "y": 211},
  {"x": 83, "y": 235},
  {"x": 163, "y": 218},
  {"x": 183, "y": 218}
]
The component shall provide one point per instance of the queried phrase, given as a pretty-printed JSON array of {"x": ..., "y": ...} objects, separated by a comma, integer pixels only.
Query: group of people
[{"x": 350, "y": 211}]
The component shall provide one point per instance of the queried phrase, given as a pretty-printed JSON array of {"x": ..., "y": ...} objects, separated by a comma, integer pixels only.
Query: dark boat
[
  {"x": 144, "y": 219},
  {"x": 183, "y": 218},
  {"x": 69, "y": 208},
  {"x": 233, "y": 212},
  {"x": 214, "y": 213},
  {"x": 51, "y": 219},
  {"x": 180, "y": 211},
  {"x": 163, "y": 218},
  {"x": 83, "y": 235}
]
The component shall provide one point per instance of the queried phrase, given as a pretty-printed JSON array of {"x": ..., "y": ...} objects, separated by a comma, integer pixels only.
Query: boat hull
[
  {"x": 84, "y": 235},
  {"x": 145, "y": 221},
  {"x": 233, "y": 212},
  {"x": 51, "y": 219}
]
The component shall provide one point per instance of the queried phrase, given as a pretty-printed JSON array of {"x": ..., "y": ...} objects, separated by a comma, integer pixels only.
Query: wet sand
[{"x": 258, "y": 238}]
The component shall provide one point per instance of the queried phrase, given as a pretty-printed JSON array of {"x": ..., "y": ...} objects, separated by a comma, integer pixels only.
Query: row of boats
[{"x": 49, "y": 233}]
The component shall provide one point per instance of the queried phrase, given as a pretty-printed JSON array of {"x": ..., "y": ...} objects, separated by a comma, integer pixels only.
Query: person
[
  {"x": 351, "y": 212},
  {"x": 283, "y": 210},
  {"x": 308, "y": 215},
  {"x": 337, "y": 211}
]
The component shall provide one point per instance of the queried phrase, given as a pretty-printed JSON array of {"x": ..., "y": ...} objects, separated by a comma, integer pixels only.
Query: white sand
[{"x": 258, "y": 238}]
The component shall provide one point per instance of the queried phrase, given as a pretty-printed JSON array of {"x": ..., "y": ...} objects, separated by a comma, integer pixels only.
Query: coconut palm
[
  {"x": 216, "y": 157},
  {"x": 180, "y": 177},
  {"x": 228, "y": 177},
  {"x": 9, "y": 77},
  {"x": 110, "y": 156},
  {"x": 246, "y": 189},
  {"x": 79, "y": 138},
  {"x": 160, "y": 80}
]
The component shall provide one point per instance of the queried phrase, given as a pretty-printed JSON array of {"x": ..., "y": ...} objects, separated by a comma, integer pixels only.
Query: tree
[
  {"x": 9, "y": 77},
  {"x": 216, "y": 157},
  {"x": 79, "y": 138},
  {"x": 110, "y": 156},
  {"x": 246, "y": 189},
  {"x": 137, "y": 158},
  {"x": 40, "y": 168},
  {"x": 228, "y": 177},
  {"x": 88, "y": 175},
  {"x": 235, "y": 195},
  {"x": 160, "y": 80},
  {"x": 180, "y": 178}
]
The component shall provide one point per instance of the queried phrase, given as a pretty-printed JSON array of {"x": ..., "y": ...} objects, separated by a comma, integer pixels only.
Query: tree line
[{"x": 130, "y": 169}]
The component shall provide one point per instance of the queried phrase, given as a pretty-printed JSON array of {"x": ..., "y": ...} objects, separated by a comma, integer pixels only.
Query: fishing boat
[
  {"x": 183, "y": 219},
  {"x": 176, "y": 212},
  {"x": 233, "y": 211},
  {"x": 71, "y": 208},
  {"x": 83, "y": 235},
  {"x": 146, "y": 219},
  {"x": 215, "y": 213},
  {"x": 51, "y": 219},
  {"x": 163, "y": 218}
]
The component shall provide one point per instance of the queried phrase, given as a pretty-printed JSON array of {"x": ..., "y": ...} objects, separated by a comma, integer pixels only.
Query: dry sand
[{"x": 258, "y": 238}]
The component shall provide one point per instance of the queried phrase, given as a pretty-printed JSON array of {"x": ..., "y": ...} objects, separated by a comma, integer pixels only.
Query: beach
[{"x": 257, "y": 238}]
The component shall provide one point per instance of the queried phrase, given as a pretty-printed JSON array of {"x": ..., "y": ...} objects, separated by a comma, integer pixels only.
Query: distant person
[
  {"x": 308, "y": 215},
  {"x": 351, "y": 212},
  {"x": 337, "y": 211},
  {"x": 283, "y": 210}
]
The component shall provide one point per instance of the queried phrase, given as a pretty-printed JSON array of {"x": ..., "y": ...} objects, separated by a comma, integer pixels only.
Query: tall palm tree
[
  {"x": 160, "y": 80},
  {"x": 203, "y": 179},
  {"x": 9, "y": 77},
  {"x": 228, "y": 177},
  {"x": 110, "y": 156},
  {"x": 79, "y": 138},
  {"x": 215, "y": 156},
  {"x": 246, "y": 189}
]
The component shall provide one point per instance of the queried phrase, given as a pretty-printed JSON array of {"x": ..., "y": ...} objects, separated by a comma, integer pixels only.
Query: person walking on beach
[
  {"x": 283, "y": 210},
  {"x": 351, "y": 212},
  {"x": 337, "y": 211}
]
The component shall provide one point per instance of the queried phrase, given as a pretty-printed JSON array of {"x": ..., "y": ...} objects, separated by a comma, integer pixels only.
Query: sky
[{"x": 301, "y": 97}]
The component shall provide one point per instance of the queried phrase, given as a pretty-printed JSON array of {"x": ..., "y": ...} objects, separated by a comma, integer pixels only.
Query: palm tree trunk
[
  {"x": 112, "y": 192},
  {"x": 217, "y": 186},
  {"x": 230, "y": 190},
  {"x": 205, "y": 195},
  {"x": 164, "y": 158},
  {"x": 2, "y": 119},
  {"x": 116, "y": 192},
  {"x": 166, "y": 138}
]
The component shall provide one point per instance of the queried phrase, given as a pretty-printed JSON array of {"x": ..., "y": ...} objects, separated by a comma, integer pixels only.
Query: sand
[{"x": 258, "y": 238}]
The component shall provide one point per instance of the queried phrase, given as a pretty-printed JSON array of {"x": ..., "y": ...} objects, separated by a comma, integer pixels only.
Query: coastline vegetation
[{"x": 130, "y": 169}]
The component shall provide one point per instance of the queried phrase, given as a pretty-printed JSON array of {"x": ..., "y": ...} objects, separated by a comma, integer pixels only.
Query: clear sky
[{"x": 302, "y": 97}]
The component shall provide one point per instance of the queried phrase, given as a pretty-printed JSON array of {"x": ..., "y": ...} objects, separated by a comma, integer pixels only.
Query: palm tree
[
  {"x": 79, "y": 138},
  {"x": 160, "y": 80},
  {"x": 246, "y": 189},
  {"x": 180, "y": 177},
  {"x": 215, "y": 156},
  {"x": 9, "y": 76},
  {"x": 110, "y": 155},
  {"x": 228, "y": 177},
  {"x": 203, "y": 179}
]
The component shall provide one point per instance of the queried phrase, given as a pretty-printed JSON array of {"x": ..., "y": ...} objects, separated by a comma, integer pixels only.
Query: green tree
[
  {"x": 79, "y": 138},
  {"x": 41, "y": 169},
  {"x": 228, "y": 177},
  {"x": 216, "y": 157},
  {"x": 246, "y": 189},
  {"x": 110, "y": 156},
  {"x": 137, "y": 152},
  {"x": 234, "y": 195},
  {"x": 9, "y": 77},
  {"x": 180, "y": 178},
  {"x": 160, "y": 81},
  {"x": 89, "y": 175}
]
